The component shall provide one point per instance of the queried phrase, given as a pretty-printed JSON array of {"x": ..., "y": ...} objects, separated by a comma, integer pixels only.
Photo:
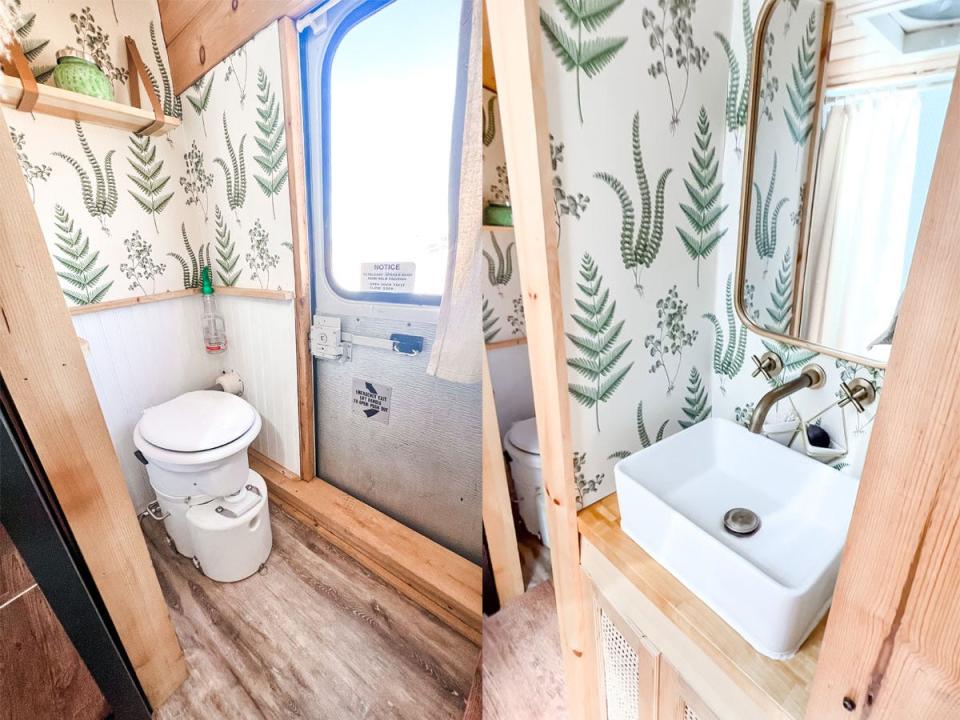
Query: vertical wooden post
[
  {"x": 890, "y": 649},
  {"x": 303, "y": 302},
  {"x": 46, "y": 375},
  {"x": 497, "y": 511},
  {"x": 515, "y": 38}
]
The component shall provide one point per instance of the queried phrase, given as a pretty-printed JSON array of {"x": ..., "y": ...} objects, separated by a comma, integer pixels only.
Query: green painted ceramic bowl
[
  {"x": 76, "y": 71},
  {"x": 498, "y": 215}
]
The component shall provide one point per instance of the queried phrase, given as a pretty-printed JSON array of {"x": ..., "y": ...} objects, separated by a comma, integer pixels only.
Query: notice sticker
[
  {"x": 389, "y": 277},
  {"x": 372, "y": 401}
]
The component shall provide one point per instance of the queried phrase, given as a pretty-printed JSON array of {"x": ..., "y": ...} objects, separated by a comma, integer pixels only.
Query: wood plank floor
[
  {"x": 314, "y": 635},
  {"x": 522, "y": 666}
]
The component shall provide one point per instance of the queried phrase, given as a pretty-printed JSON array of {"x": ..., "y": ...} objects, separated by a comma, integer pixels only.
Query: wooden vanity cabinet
[{"x": 636, "y": 680}]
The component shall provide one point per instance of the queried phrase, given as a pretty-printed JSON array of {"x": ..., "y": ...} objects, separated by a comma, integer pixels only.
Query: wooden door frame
[
  {"x": 895, "y": 617},
  {"x": 46, "y": 375},
  {"x": 442, "y": 582},
  {"x": 515, "y": 40}
]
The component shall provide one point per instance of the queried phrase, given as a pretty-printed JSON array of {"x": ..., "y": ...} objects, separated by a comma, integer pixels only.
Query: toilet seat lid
[
  {"x": 523, "y": 436},
  {"x": 197, "y": 421}
]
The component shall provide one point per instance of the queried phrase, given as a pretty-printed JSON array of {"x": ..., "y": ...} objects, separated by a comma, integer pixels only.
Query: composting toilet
[
  {"x": 523, "y": 449},
  {"x": 214, "y": 507}
]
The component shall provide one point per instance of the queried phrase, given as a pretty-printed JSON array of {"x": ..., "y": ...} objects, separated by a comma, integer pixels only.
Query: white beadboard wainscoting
[{"x": 143, "y": 355}]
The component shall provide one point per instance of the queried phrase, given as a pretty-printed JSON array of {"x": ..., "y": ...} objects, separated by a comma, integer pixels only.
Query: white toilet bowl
[
  {"x": 195, "y": 451},
  {"x": 523, "y": 448}
]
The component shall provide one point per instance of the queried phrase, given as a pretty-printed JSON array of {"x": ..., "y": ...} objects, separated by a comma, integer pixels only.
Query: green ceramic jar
[
  {"x": 494, "y": 214},
  {"x": 78, "y": 72}
]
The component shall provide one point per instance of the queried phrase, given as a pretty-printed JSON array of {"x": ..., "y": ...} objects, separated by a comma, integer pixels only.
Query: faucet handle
[
  {"x": 769, "y": 365},
  {"x": 859, "y": 393}
]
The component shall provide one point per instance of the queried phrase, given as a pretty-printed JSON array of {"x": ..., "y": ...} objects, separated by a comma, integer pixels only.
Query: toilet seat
[
  {"x": 197, "y": 421},
  {"x": 191, "y": 460}
]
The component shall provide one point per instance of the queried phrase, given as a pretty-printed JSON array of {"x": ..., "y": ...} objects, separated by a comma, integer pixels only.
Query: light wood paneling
[
  {"x": 736, "y": 680},
  {"x": 497, "y": 510},
  {"x": 45, "y": 372},
  {"x": 440, "y": 580},
  {"x": 15, "y": 578},
  {"x": 217, "y": 29},
  {"x": 312, "y": 636},
  {"x": 175, "y": 15},
  {"x": 296, "y": 164},
  {"x": 515, "y": 40},
  {"x": 489, "y": 76},
  {"x": 522, "y": 668},
  {"x": 857, "y": 57},
  {"x": 891, "y": 643}
]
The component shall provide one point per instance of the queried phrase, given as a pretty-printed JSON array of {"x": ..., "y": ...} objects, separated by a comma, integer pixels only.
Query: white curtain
[
  {"x": 860, "y": 218},
  {"x": 458, "y": 348}
]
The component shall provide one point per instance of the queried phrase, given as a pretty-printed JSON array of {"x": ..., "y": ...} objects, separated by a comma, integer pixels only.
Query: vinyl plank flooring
[
  {"x": 313, "y": 635},
  {"x": 522, "y": 665}
]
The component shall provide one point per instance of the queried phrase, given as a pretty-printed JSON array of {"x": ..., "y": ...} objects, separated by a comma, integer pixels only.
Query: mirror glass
[{"x": 844, "y": 140}]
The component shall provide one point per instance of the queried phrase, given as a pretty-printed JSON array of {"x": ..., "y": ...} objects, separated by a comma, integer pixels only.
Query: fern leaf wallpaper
[
  {"x": 657, "y": 157},
  {"x": 113, "y": 207},
  {"x": 503, "y": 301}
]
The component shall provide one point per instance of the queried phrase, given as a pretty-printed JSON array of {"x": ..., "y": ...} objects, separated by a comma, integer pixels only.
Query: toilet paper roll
[{"x": 229, "y": 381}]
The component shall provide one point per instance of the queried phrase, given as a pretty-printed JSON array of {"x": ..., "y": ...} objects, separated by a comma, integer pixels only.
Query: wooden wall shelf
[
  {"x": 74, "y": 106},
  {"x": 497, "y": 228},
  {"x": 280, "y": 295}
]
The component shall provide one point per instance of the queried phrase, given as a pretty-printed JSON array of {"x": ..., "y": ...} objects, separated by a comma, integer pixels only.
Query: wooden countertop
[{"x": 783, "y": 685}]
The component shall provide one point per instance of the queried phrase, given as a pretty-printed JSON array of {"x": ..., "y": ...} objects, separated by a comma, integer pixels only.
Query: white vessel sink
[{"x": 772, "y": 587}]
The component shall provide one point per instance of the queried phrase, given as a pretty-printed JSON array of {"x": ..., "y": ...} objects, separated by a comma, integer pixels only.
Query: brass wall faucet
[{"x": 812, "y": 376}]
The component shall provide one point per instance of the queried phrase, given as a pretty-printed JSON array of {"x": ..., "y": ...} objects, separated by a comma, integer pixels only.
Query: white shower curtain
[
  {"x": 458, "y": 348},
  {"x": 859, "y": 222}
]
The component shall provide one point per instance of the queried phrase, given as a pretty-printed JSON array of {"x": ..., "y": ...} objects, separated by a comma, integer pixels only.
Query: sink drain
[{"x": 741, "y": 522}]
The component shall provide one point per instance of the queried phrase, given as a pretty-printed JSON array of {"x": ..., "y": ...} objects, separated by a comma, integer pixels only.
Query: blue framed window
[{"x": 383, "y": 91}]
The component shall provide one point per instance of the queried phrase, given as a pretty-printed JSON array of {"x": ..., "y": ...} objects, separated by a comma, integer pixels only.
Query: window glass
[{"x": 392, "y": 87}]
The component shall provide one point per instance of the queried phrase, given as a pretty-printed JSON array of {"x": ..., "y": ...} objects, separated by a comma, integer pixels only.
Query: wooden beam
[
  {"x": 892, "y": 638},
  {"x": 437, "y": 579},
  {"x": 297, "y": 166},
  {"x": 515, "y": 40},
  {"x": 217, "y": 29},
  {"x": 176, "y": 15},
  {"x": 497, "y": 511},
  {"x": 43, "y": 367}
]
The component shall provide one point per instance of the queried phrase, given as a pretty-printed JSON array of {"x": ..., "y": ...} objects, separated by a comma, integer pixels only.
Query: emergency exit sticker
[
  {"x": 390, "y": 277},
  {"x": 372, "y": 400}
]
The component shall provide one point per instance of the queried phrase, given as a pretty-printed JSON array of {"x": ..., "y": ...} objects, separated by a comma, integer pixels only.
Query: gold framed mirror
[{"x": 844, "y": 119}]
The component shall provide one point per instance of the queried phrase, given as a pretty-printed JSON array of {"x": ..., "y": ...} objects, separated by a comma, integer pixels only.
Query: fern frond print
[
  {"x": 765, "y": 222},
  {"x": 499, "y": 271},
  {"x": 640, "y": 250},
  {"x": 200, "y": 100},
  {"x": 234, "y": 175},
  {"x": 99, "y": 196},
  {"x": 696, "y": 402},
  {"x": 730, "y": 351},
  {"x": 489, "y": 122},
  {"x": 704, "y": 210},
  {"x": 227, "y": 258},
  {"x": 147, "y": 177},
  {"x": 780, "y": 311},
  {"x": 642, "y": 434},
  {"x": 171, "y": 101},
  {"x": 78, "y": 263},
  {"x": 799, "y": 113},
  {"x": 192, "y": 265},
  {"x": 32, "y": 47},
  {"x": 588, "y": 56},
  {"x": 489, "y": 322},
  {"x": 271, "y": 141},
  {"x": 599, "y": 351},
  {"x": 738, "y": 97}
]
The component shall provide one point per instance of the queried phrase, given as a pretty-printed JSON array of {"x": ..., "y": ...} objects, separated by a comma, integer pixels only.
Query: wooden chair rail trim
[{"x": 278, "y": 295}]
